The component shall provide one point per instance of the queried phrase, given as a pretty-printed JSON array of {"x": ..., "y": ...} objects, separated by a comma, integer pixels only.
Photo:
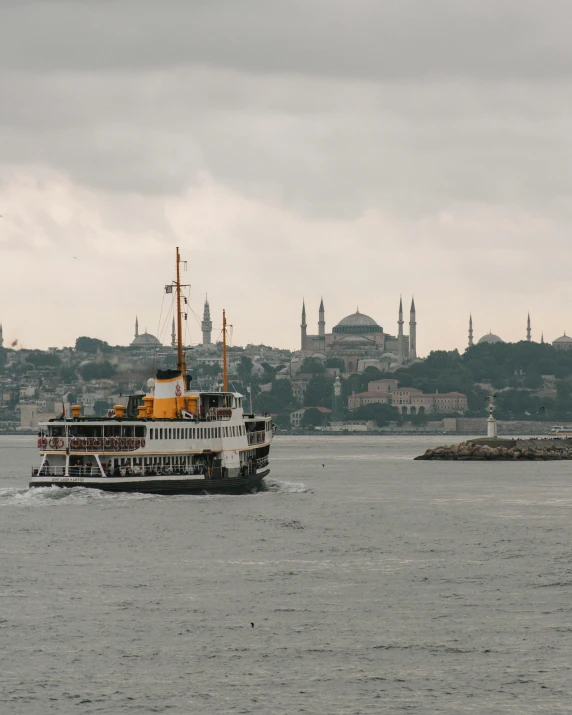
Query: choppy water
[{"x": 375, "y": 584}]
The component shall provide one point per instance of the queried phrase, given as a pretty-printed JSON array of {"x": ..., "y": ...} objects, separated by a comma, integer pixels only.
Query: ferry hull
[{"x": 157, "y": 485}]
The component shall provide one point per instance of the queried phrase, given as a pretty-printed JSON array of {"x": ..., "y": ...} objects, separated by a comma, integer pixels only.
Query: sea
[{"x": 360, "y": 581}]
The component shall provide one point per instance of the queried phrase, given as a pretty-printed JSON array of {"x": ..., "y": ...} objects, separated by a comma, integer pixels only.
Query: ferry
[{"x": 173, "y": 439}]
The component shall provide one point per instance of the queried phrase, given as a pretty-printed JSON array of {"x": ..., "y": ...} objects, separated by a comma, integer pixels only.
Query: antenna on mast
[
  {"x": 224, "y": 360},
  {"x": 181, "y": 365}
]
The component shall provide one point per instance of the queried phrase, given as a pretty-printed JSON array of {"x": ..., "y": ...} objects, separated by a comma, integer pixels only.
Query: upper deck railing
[{"x": 91, "y": 444}]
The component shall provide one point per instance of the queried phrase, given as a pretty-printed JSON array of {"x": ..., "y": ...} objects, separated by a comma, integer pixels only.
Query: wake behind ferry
[{"x": 171, "y": 440}]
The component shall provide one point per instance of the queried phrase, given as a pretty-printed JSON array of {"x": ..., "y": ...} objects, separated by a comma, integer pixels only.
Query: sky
[{"x": 357, "y": 150}]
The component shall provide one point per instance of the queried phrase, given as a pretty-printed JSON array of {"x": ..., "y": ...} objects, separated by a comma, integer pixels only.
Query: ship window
[
  {"x": 170, "y": 430},
  {"x": 178, "y": 433},
  {"x": 139, "y": 431},
  {"x": 161, "y": 433},
  {"x": 151, "y": 433},
  {"x": 234, "y": 431}
]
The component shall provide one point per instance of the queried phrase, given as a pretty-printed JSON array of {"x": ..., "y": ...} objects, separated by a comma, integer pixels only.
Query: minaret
[
  {"x": 1, "y": 337},
  {"x": 207, "y": 324},
  {"x": 400, "y": 351},
  {"x": 136, "y": 327},
  {"x": 528, "y": 329},
  {"x": 322, "y": 326},
  {"x": 303, "y": 327},
  {"x": 412, "y": 332},
  {"x": 541, "y": 338},
  {"x": 471, "y": 343},
  {"x": 173, "y": 335}
]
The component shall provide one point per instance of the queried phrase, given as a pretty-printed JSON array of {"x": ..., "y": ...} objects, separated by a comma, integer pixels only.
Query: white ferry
[{"x": 172, "y": 440}]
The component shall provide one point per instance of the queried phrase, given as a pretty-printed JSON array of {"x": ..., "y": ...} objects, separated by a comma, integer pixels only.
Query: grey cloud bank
[{"x": 362, "y": 38}]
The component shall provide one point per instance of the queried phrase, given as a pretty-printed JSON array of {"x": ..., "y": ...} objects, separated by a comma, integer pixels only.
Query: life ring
[
  {"x": 39, "y": 443},
  {"x": 60, "y": 442},
  {"x": 122, "y": 442},
  {"x": 44, "y": 442},
  {"x": 143, "y": 442},
  {"x": 96, "y": 443},
  {"x": 107, "y": 442},
  {"x": 129, "y": 442},
  {"x": 75, "y": 443},
  {"x": 137, "y": 442},
  {"x": 116, "y": 442},
  {"x": 85, "y": 442}
]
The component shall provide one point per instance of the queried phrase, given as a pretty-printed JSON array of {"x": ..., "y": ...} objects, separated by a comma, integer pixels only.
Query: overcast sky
[{"x": 355, "y": 149}]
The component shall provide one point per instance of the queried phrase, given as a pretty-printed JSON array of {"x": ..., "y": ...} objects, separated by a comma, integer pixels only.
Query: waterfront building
[{"x": 408, "y": 400}]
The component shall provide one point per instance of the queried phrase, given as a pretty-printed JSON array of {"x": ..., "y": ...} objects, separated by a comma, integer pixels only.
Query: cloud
[
  {"x": 362, "y": 39},
  {"x": 257, "y": 259},
  {"x": 355, "y": 150}
]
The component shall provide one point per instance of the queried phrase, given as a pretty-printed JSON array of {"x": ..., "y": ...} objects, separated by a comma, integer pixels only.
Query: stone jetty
[{"x": 503, "y": 449}]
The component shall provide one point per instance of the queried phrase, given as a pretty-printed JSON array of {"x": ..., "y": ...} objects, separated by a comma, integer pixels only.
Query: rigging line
[
  {"x": 187, "y": 311},
  {"x": 170, "y": 313},
  {"x": 158, "y": 326}
]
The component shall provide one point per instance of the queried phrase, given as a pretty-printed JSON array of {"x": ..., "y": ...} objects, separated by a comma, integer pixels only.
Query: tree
[
  {"x": 313, "y": 418},
  {"x": 38, "y": 358},
  {"x": 312, "y": 366},
  {"x": 379, "y": 412},
  {"x": 245, "y": 368},
  {"x": 533, "y": 380},
  {"x": 91, "y": 345},
  {"x": 97, "y": 371},
  {"x": 319, "y": 392},
  {"x": 269, "y": 371}
]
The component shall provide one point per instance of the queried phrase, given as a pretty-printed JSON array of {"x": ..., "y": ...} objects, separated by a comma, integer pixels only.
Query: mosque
[
  {"x": 147, "y": 342},
  {"x": 360, "y": 342},
  {"x": 564, "y": 342}
]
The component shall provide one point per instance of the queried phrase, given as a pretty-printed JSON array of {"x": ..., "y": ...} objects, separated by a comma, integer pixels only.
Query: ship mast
[
  {"x": 181, "y": 366},
  {"x": 224, "y": 365}
]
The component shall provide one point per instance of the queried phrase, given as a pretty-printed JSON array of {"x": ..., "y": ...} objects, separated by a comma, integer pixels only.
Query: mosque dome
[
  {"x": 357, "y": 323},
  {"x": 562, "y": 339},
  {"x": 490, "y": 338},
  {"x": 146, "y": 340}
]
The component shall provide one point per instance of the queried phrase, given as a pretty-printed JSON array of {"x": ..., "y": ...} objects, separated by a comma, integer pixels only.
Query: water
[{"x": 376, "y": 584}]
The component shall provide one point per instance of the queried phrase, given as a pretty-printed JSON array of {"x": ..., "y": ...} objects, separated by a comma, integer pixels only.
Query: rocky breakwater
[{"x": 490, "y": 449}]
